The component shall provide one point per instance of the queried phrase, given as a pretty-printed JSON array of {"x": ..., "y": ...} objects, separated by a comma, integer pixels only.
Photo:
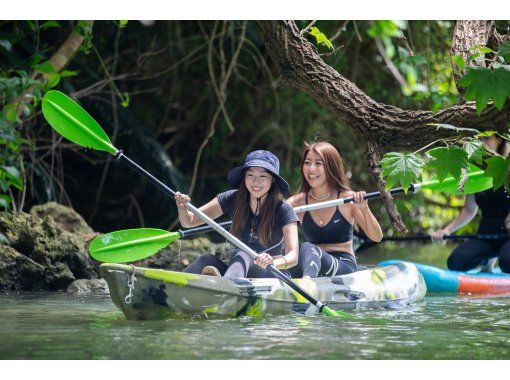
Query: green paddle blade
[
  {"x": 475, "y": 183},
  {"x": 130, "y": 245},
  {"x": 74, "y": 123}
]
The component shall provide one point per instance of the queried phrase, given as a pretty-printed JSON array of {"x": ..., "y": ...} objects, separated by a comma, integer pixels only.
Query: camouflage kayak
[{"x": 153, "y": 294}]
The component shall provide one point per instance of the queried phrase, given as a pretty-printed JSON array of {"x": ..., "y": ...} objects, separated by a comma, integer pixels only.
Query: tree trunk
[{"x": 466, "y": 34}]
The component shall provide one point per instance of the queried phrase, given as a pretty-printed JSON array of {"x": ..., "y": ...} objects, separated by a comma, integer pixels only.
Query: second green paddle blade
[
  {"x": 475, "y": 183},
  {"x": 130, "y": 245},
  {"x": 74, "y": 123}
]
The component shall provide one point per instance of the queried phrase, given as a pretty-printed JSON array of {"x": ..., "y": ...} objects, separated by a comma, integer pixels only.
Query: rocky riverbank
[{"x": 46, "y": 249}]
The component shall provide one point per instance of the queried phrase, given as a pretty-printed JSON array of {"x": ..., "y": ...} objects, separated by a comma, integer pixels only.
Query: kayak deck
[
  {"x": 160, "y": 294},
  {"x": 440, "y": 280}
]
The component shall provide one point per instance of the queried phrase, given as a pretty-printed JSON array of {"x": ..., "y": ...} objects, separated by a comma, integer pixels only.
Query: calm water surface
[{"x": 60, "y": 326}]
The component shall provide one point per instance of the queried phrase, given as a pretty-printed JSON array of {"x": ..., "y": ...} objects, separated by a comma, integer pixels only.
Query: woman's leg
[
  {"x": 203, "y": 261},
  {"x": 470, "y": 254},
  {"x": 315, "y": 262},
  {"x": 241, "y": 266},
  {"x": 504, "y": 257}
]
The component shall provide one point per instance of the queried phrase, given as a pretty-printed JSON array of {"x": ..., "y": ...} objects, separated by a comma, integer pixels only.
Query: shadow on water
[{"x": 60, "y": 326}]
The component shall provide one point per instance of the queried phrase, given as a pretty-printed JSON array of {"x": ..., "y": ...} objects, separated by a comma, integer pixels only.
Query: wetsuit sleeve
[{"x": 226, "y": 200}]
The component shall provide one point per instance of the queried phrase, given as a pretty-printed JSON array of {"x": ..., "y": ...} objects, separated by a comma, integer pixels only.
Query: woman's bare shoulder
[{"x": 296, "y": 200}]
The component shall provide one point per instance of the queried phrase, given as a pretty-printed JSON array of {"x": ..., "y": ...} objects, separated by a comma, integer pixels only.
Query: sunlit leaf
[
  {"x": 320, "y": 37},
  {"x": 401, "y": 167},
  {"x": 447, "y": 160},
  {"x": 482, "y": 49}
]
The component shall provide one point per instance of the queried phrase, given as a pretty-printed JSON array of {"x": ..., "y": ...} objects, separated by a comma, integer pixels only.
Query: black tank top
[
  {"x": 495, "y": 206},
  {"x": 338, "y": 229}
]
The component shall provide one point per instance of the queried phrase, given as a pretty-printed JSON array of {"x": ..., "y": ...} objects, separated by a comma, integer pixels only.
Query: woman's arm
[
  {"x": 467, "y": 214},
  {"x": 363, "y": 216},
  {"x": 188, "y": 219},
  {"x": 291, "y": 242},
  {"x": 290, "y": 259}
]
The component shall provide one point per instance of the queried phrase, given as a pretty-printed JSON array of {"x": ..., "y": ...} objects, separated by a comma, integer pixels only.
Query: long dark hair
[
  {"x": 267, "y": 212},
  {"x": 333, "y": 166}
]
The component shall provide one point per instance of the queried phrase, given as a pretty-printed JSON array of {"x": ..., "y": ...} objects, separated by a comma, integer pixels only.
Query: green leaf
[
  {"x": 401, "y": 167},
  {"x": 475, "y": 150},
  {"x": 125, "y": 100},
  {"x": 459, "y": 61},
  {"x": 497, "y": 169},
  {"x": 123, "y": 23},
  {"x": 13, "y": 175},
  {"x": 445, "y": 160},
  {"x": 483, "y": 84},
  {"x": 53, "y": 80},
  {"x": 68, "y": 73},
  {"x": 5, "y": 201},
  {"x": 482, "y": 49},
  {"x": 504, "y": 51},
  {"x": 45, "y": 68},
  {"x": 485, "y": 134},
  {"x": 320, "y": 37},
  {"x": 50, "y": 24}
]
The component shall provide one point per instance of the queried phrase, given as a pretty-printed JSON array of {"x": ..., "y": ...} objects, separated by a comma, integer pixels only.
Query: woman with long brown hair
[
  {"x": 329, "y": 231},
  {"x": 260, "y": 218}
]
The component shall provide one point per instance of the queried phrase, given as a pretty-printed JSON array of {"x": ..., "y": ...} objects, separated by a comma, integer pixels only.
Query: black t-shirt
[{"x": 284, "y": 215}]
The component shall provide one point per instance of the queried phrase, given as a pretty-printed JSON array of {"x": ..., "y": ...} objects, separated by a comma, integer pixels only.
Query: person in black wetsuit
[
  {"x": 329, "y": 231},
  {"x": 260, "y": 218},
  {"x": 495, "y": 207}
]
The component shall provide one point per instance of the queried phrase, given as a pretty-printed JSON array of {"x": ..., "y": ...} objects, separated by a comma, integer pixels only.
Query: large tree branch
[
  {"x": 301, "y": 66},
  {"x": 382, "y": 126}
]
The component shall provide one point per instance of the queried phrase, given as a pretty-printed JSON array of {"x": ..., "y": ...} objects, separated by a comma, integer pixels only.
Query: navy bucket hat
[{"x": 263, "y": 159}]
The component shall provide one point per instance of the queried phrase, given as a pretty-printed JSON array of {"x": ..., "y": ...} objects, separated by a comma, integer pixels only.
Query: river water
[{"x": 61, "y": 326}]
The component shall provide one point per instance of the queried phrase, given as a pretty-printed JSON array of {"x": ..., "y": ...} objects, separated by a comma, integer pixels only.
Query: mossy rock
[
  {"x": 65, "y": 217},
  {"x": 61, "y": 253},
  {"x": 18, "y": 272}
]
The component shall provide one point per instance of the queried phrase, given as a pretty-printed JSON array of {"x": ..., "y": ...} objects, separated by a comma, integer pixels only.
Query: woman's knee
[{"x": 308, "y": 248}]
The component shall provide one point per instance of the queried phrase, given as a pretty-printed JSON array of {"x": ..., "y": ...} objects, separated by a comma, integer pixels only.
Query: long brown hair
[
  {"x": 267, "y": 212},
  {"x": 333, "y": 166}
]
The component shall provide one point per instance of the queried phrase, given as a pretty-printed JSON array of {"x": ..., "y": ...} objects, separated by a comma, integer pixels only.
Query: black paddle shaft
[
  {"x": 164, "y": 188},
  {"x": 377, "y": 194}
]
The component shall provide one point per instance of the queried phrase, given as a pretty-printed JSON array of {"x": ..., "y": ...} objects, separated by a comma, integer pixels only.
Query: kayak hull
[
  {"x": 440, "y": 280},
  {"x": 159, "y": 294}
]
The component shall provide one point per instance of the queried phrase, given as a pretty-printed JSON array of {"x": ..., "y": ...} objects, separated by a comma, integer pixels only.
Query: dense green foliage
[{"x": 194, "y": 97}]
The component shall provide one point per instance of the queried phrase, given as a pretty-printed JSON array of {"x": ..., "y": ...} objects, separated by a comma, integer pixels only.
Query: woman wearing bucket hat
[
  {"x": 260, "y": 218},
  {"x": 329, "y": 231}
]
